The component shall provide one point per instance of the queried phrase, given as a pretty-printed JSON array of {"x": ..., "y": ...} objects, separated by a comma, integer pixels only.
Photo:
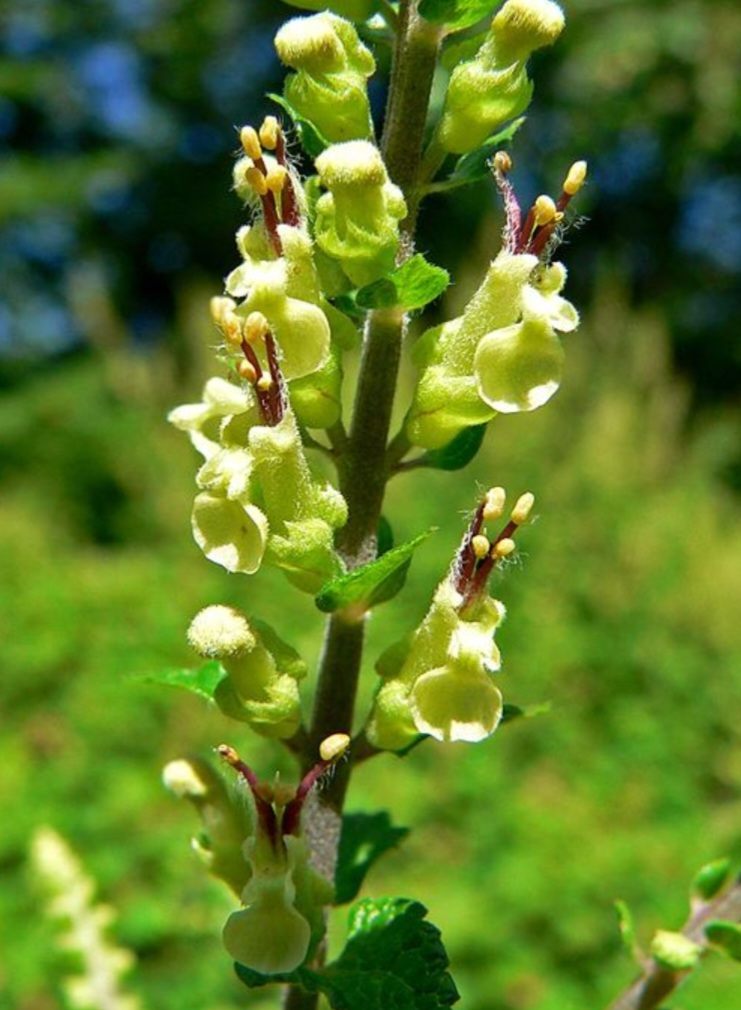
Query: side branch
[{"x": 649, "y": 991}]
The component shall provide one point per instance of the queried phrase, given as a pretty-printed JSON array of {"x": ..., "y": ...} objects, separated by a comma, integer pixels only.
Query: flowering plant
[{"x": 328, "y": 263}]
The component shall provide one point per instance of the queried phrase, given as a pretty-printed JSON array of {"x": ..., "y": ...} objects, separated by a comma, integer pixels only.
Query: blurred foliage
[{"x": 116, "y": 226}]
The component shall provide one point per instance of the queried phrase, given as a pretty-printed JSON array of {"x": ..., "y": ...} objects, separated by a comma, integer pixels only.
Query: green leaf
[
  {"x": 475, "y": 165},
  {"x": 364, "y": 838},
  {"x": 413, "y": 285},
  {"x": 627, "y": 929},
  {"x": 393, "y": 960},
  {"x": 309, "y": 136},
  {"x": 456, "y": 14},
  {"x": 512, "y": 712},
  {"x": 710, "y": 878},
  {"x": 202, "y": 681},
  {"x": 374, "y": 583},
  {"x": 458, "y": 452},
  {"x": 726, "y": 935}
]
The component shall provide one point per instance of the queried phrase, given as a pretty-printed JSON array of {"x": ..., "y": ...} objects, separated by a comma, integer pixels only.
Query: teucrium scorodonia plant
[{"x": 327, "y": 263}]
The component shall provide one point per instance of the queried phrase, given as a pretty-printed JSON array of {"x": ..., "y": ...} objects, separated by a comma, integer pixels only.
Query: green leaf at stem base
[
  {"x": 411, "y": 286},
  {"x": 364, "y": 838}
]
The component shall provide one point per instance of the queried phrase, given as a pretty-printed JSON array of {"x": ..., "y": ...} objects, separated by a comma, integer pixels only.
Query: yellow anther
[
  {"x": 276, "y": 178},
  {"x": 256, "y": 327},
  {"x": 264, "y": 383},
  {"x": 480, "y": 545},
  {"x": 523, "y": 505},
  {"x": 256, "y": 180},
  {"x": 575, "y": 178},
  {"x": 544, "y": 209},
  {"x": 502, "y": 162},
  {"x": 221, "y": 308},
  {"x": 269, "y": 132},
  {"x": 247, "y": 371},
  {"x": 250, "y": 142},
  {"x": 334, "y": 746},
  {"x": 232, "y": 331},
  {"x": 503, "y": 548},
  {"x": 494, "y": 503}
]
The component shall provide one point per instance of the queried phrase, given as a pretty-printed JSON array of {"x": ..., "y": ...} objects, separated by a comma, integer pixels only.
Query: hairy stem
[
  {"x": 363, "y": 468},
  {"x": 655, "y": 983}
]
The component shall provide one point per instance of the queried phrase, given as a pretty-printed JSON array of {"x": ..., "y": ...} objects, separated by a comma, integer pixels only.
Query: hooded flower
[
  {"x": 262, "y": 672},
  {"x": 501, "y": 355},
  {"x": 493, "y": 87},
  {"x": 257, "y": 498},
  {"x": 284, "y": 897},
  {"x": 439, "y": 682}
]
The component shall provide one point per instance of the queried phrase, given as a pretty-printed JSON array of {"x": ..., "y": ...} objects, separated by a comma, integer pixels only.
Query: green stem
[{"x": 362, "y": 465}]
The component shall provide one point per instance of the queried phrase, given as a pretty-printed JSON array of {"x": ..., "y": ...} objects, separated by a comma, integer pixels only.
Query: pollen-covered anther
[
  {"x": 221, "y": 308},
  {"x": 480, "y": 545},
  {"x": 502, "y": 162},
  {"x": 250, "y": 142},
  {"x": 544, "y": 210},
  {"x": 503, "y": 548},
  {"x": 255, "y": 328},
  {"x": 523, "y": 506},
  {"x": 334, "y": 747},
  {"x": 264, "y": 383},
  {"x": 276, "y": 178},
  {"x": 269, "y": 133},
  {"x": 494, "y": 503},
  {"x": 247, "y": 371},
  {"x": 575, "y": 178},
  {"x": 232, "y": 331},
  {"x": 256, "y": 180}
]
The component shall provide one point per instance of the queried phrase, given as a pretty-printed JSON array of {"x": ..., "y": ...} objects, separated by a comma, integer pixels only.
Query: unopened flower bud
[
  {"x": 522, "y": 26},
  {"x": 218, "y": 632},
  {"x": 332, "y": 65},
  {"x": 357, "y": 221},
  {"x": 493, "y": 87},
  {"x": 523, "y": 506}
]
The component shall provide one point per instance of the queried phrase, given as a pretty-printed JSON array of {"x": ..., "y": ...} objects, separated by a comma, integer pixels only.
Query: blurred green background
[{"x": 117, "y": 224}]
